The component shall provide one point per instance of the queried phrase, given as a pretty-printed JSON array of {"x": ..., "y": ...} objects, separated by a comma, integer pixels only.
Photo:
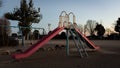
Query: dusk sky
[{"x": 106, "y": 11}]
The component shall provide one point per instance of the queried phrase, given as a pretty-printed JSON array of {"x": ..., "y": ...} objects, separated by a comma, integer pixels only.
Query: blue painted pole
[{"x": 67, "y": 43}]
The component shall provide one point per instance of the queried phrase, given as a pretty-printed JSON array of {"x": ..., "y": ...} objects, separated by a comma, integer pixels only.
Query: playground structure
[{"x": 71, "y": 27}]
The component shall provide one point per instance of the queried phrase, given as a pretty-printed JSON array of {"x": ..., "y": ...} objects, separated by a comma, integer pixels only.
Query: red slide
[
  {"x": 36, "y": 46},
  {"x": 89, "y": 43}
]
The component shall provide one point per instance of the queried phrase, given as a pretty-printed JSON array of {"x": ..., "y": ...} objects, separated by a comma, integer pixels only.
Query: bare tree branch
[{"x": 89, "y": 27}]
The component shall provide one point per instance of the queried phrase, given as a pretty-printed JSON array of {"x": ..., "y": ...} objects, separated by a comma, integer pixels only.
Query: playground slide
[
  {"x": 36, "y": 46},
  {"x": 88, "y": 42}
]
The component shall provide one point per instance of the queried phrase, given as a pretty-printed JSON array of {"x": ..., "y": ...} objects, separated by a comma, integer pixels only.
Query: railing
[{"x": 64, "y": 20}]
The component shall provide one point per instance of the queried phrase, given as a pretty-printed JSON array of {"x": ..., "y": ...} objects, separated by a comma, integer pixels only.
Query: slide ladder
[{"x": 78, "y": 43}]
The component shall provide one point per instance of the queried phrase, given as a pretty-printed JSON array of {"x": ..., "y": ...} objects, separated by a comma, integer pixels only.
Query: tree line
[{"x": 95, "y": 30}]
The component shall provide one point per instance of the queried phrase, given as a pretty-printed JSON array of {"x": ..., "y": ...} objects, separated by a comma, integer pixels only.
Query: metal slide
[
  {"x": 38, "y": 45},
  {"x": 88, "y": 42}
]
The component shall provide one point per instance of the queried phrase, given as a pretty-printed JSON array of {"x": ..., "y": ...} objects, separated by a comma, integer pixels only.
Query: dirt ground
[{"x": 108, "y": 56}]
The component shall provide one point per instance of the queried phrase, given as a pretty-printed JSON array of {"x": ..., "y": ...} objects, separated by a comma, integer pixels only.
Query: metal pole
[{"x": 67, "y": 43}]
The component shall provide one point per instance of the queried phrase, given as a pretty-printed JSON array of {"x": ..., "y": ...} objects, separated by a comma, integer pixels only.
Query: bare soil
[{"x": 108, "y": 56}]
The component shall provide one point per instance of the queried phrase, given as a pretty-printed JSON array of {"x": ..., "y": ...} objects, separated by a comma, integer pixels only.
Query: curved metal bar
[
  {"x": 63, "y": 12},
  {"x": 73, "y": 16},
  {"x": 64, "y": 19},
  {"x": 71, "y": 13}
]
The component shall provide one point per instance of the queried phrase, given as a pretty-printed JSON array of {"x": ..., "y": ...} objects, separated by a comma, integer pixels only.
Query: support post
[{"x": 67, "y": 43}]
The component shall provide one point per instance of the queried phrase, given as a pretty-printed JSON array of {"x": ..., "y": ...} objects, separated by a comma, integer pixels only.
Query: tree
[
  {"x": 117, "y": 26},
  {"x": 26, "y": 15},
  {"x": 4, "y": 31},
  {"x": 90, "y": 26},
  {"x": 4, "y": 26},
  {"x": 100, "y": 29}
]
